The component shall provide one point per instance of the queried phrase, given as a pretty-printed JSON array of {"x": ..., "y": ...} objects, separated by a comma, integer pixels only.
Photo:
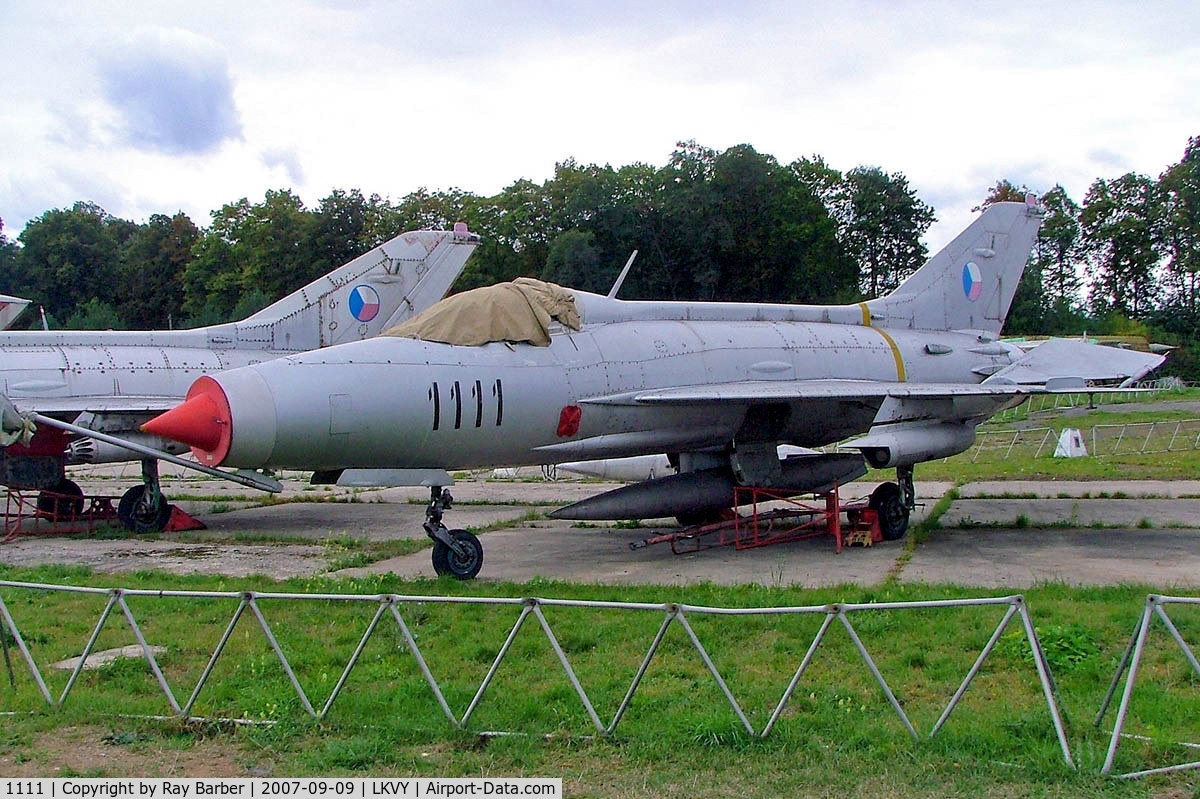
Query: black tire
[
  {"x": 65, "y": 507},
  {"x": 135, "y": 515},
  {"x": 459, "y": 566},
  {"x": 888, "y": 502}
]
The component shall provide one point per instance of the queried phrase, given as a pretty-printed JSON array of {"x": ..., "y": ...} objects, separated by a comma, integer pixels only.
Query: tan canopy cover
[{"x": 516, "y": 311}]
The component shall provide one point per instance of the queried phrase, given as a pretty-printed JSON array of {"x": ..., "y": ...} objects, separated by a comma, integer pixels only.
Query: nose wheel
[
  {"x": 143, "y": 509},
  {"x": 461, "y": 558},
  {"x": 456, "y": 553}
]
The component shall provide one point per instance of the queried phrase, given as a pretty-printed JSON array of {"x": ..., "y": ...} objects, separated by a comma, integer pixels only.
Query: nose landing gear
[
  {"x": 457, "y": 553},
  {"x": 143, "y": 509}
]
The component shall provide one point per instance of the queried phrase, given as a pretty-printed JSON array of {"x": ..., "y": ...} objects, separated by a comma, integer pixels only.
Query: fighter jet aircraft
[
  {"x": 113, "y": 381},
  {"x": 530, "y": 373}
]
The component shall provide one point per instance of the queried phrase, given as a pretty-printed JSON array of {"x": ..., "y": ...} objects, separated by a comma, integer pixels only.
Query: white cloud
[
  {"x": 172, "y": 90},
  {"x": 387, "y": 97},
  {"x": 286, "y": 159}
]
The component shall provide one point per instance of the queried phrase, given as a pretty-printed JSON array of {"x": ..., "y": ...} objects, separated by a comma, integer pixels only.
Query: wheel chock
[{"x": 180, "y": 521}]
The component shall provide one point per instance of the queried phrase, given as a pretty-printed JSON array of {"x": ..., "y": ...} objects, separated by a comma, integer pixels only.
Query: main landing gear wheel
[
  {"x": 64, "y": 507},
  {"x": 141, "y": 514},
  {"x": 461, "y": 560},
  {"x": 887, "y": 500}
]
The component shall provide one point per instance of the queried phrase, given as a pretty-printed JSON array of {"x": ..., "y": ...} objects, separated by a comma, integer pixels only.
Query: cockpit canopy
[{"x": 520, "y": 311}]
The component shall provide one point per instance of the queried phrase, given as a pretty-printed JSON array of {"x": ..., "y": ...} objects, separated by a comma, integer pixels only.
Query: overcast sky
[{"x": 154, "y": 107}]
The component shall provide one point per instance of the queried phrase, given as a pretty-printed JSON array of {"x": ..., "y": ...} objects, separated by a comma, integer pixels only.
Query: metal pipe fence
[
  {"x": 1102, "y": 440},
  {"x": 1144, "y": 391},
  {"x": 1128, "y": 667},
  {"x": 389, "y": 606}
]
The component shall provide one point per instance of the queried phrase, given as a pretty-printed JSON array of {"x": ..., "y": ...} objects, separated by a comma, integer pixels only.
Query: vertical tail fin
[
  {"x": 969, "y": 285},
  {"x": 10, "y": 309},
  {"x": 378, "y": 289}
]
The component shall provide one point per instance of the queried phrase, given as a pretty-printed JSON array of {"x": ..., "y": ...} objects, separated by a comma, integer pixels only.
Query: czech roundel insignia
[
  {"x": 972, "y": 281},
  {"x": 364, "y": 303}
]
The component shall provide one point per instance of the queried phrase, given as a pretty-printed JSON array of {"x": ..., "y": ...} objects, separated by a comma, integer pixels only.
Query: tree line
[
  {"x": 709, "y": 225},
  {"x": 732, "y": 225}
]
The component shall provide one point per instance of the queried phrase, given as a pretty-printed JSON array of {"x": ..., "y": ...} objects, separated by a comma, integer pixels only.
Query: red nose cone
[{"x": 203, "y": 422}]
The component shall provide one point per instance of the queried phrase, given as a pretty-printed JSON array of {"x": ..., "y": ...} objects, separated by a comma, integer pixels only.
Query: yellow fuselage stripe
[
  {"x": 900, "y": 373},
  {"x": 866, "y": 312}
]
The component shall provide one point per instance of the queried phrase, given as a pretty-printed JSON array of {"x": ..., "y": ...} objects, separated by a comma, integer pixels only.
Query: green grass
[
  {"x": 1177, "y": 465},
  {"x": 1037, "y": 405},
  {"x": 1154, "y": 466},
  {"x": 363, "y": 553},
  {"x": 838, "y": 736}
]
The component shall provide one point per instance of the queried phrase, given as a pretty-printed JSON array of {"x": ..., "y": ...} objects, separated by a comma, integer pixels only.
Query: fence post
[{"x": 1123, "y": 708}]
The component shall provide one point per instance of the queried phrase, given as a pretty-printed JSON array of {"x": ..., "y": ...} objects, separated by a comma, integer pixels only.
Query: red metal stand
[
  {"x": 24, "y": 515},
  {"x": 795, "y": 521}
]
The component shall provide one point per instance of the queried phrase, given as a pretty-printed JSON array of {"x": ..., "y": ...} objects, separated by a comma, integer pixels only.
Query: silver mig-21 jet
[
  {"x": 530, "y": 373},
  {"x": 111, "y": 382}
]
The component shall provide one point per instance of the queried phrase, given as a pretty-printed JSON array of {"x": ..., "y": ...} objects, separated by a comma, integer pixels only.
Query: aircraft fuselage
[
  {"x": 404, "y": 403},
  {"x": 45, "y": 371}
]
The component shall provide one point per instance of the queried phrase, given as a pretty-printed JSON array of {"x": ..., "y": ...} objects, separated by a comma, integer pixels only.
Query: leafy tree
[
  {"x": 573, "y": 261},
  {"x": 266, "y": 246},
  {"x": 1179, "y": 234},
  {"x": 685, "y": 231},
  {"x": 9, "y": 253},
  {"x": 782, "y": 244},
  {"x": 70, "y": 256},
  {"x": 426, "y": 210},
  {"x": 95, "y": 314},
  {"x": 827, "y": 183},
  {"x": 1120, "y": 221},
  {"x": 248, "y": 304},
  {"x": 884, "y": 228},
  {"x": 1005, "y": 191},
  {"x": 1059, "y": 254},
  {"x": 611, "y": 205},
  {"x": 272, "y": 245},
  {"x": 153, "y": 261},
  {"x": 341, "y": 230},
  {"x": 212, "y": 279},
  {"x": 516, "y": 230}
]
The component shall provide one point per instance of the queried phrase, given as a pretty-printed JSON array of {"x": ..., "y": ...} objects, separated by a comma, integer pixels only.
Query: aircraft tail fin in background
[
  {"x": 970, "y": 284},
  {"x": 378, "y": 289},
  {"x": 10, "y": 309}
]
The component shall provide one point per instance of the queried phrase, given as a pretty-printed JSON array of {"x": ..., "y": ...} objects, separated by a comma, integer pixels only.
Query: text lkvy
[{"x": 253, "y": 788}]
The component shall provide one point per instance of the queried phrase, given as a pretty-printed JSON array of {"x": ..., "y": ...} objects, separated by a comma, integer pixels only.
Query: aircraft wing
[
  {"x": 867, "y": 391},
  {"x": 821, "y": 411},
  {"x": 824, "y": 410},
  {"x": 122, "y": 404},
  {"x": 1061, "y": 357}
]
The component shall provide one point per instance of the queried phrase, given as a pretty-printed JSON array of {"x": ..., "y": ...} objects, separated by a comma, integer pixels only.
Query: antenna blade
[{"x": 612, "y": 293}]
